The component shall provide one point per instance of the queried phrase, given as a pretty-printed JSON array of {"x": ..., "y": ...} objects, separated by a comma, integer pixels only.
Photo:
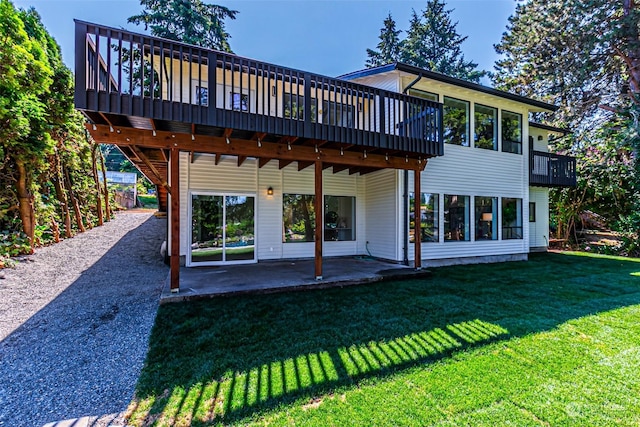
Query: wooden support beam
[
  {"x": 151, "y": 167},
  {"x": 218, "y": 145},
  {"x": 104, "y": 117},
  {"x": 354, "y": 170},
  {"x": 192, "y": 155},
  {"x": 319, "y": 210},
  {"x": 227, "y": 133},
  {"x": 417, "y": 215},
  {"x": 326, "y": 166},
  {"x": 263, "y": 161},
  {"x": 175, "y": 221},
  {"x": 217, "y": 160},
  {"x": 287, "y": 139},
  {"x": 164, "y": 154},
  {"x": 304, "y": 165},
  {"x": 259, "y": 136},
  {"x": 241, "y": 160},
  {"x": 284, "y": 163}
]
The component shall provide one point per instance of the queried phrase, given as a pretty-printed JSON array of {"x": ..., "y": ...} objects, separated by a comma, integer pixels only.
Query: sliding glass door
[{"x": 222, "y": 229}]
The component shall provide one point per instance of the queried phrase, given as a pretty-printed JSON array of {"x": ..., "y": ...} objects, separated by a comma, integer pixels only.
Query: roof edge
[
  {"x": 400, "y": 66},
  {"x": 542, "y": 126}
]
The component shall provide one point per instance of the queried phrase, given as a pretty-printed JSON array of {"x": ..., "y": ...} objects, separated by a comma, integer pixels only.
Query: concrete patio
[{"x": 282, "y": 276}]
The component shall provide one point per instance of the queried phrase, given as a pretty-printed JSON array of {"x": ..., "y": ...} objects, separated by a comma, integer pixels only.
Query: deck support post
[
  {"x": 175, "y": 219},
  {"x": 318, "y": 207},
  {"x": 417, "y": 219}
]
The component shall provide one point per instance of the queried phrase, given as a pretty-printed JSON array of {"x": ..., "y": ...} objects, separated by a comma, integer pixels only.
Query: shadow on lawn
[{"x": 226, "y": 359}]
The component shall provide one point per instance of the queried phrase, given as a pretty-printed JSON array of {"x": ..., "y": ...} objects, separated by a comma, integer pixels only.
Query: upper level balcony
[
  {"x": 132, "y": 80},
  {"x": 551, "y": 170}
]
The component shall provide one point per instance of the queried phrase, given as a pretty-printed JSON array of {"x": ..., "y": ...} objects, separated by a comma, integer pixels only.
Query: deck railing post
[
  {"x": 80, "y": 94},
  {"x": 212, "y": 75},
  {"x": 307, "y": 106}
]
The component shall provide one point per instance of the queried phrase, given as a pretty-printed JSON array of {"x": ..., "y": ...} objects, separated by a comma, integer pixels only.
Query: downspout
[{"x": 405, "y": 246}]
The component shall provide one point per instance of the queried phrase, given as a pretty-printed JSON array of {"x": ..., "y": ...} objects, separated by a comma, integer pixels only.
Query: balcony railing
[
  {"x": 551, "y": 170},
  {"x": 134, "y": 75}
]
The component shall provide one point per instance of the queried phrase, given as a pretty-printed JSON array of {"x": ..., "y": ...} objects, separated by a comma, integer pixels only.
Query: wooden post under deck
[
  {"x": 175, "y": 220},
  {"x": 319, "y": 210},
  {"x": 417, "y": 216}
]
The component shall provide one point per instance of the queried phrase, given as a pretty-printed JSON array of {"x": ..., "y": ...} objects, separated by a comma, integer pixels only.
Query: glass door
[{"x": 222, "y": 229}]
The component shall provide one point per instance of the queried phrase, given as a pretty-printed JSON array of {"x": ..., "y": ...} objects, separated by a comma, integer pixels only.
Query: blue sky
[{"x": 322, "y": 36}]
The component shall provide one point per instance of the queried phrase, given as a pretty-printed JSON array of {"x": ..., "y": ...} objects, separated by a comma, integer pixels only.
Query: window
[
  {"x": 339, "y": 218},
  {"x": 532, "y": 212},
  {"x": 456, "y": 218},
  {"x": 294, "y": 107},
  {"x": 486, "y": 127},
  {"x": 337, "y": 114},
  {"x": 456, "y": 122},
  {"x": 511, "y": 132},
  {"x": 429, "y": 213},
  {"x": 486, "y": 218},
  {"x": 239, "y": 101},
  {"x": 511, "y": 218},
  {"x": 202, "y": 96},
  {"x": 423, "y": 94},
  {"x": 298, "y": 217}
]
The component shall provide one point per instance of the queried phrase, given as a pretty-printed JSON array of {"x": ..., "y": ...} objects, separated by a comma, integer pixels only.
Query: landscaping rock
[{"x": 75, "y": 320}]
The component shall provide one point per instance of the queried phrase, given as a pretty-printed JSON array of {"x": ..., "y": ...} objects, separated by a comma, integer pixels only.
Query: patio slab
[{"x": 283, "y": 276}]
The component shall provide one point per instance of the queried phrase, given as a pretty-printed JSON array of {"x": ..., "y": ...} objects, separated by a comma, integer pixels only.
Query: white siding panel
[
  {"x": 539, "y": 230},
  {"x": 269, "y": 218},
  {"x": 381, "y": 205}
]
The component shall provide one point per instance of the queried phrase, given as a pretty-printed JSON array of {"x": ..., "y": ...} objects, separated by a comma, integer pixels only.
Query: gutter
[{"x": 405, "y": 197}]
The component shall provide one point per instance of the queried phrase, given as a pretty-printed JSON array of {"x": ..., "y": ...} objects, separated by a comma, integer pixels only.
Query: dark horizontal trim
[
  {"x": 549, "y": 128},
  {"x": 428, "y": 74}
]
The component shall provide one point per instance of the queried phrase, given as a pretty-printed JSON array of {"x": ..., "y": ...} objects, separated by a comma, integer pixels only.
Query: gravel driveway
[{"x": 75, "y": 320}]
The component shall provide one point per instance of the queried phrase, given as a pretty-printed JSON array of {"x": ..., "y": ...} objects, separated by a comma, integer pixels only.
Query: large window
[
  {"x": 298, "y": 217},
  {"x": 337, "y": 114},
  {"x": 511, "y": 132},
  {"x": 294, "y": 107},
  {"x": 456, "y": 121},
  {"x": 456, "y": 218},
  {"x": 486, "y": 218},
  {"x": 339, "y": 218},
  {"x": 511, "y": 218},
  {"x": 486, "y": 127},
  {"x": 429, "y": 209},
  {"x": 239, "y": 101}
]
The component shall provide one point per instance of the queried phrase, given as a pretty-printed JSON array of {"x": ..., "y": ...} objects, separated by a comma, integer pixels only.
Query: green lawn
[
  {"x": 552, "y": 341},
  {"x": 148, "y": 201}
]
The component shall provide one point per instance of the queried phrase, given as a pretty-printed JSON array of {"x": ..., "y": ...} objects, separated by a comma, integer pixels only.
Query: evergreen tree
[
  {"x": 432, "y": 43},
  {"x": 389, "y": 46},
  {"x": 188, "y": 21},
  {"x": 584, "y": 56}
]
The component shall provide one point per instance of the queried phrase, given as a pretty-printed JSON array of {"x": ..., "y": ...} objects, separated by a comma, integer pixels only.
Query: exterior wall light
[{"x": 270, "y": 191}]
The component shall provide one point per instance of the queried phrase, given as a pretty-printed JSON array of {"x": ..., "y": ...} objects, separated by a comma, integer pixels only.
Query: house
[{"x": 396, "y": 162}]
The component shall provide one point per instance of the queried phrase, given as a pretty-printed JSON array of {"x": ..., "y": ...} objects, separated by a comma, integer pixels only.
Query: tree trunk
[
  {"x": 58, "y": 184},
  {"x": 74, "y": 203},
  {"x": 56, "y": 230},
  {"x": 25, "y": 203},
  {"x": 107, "y": 208},
  {"x": 94, "y": 167}
]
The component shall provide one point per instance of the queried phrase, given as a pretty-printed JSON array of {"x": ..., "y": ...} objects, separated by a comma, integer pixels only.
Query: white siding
[
  {"x": 269, "y": 218},
  {"x": 382, "y": 221},
  {"x": 539, "y": 230}
]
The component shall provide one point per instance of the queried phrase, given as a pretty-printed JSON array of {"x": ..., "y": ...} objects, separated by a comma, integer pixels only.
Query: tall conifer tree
[
  {"x": 389, "y": 46},
  {"x": 188, "y": 21}
]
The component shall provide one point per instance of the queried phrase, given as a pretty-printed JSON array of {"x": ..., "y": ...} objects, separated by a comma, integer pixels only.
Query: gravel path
[{"x": 75, "y": 320}]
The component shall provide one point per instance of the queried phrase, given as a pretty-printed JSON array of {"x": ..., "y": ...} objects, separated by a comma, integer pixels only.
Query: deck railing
[
  {"x": 130, "y": 74},
  {"x": 551, "y": 170}
]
